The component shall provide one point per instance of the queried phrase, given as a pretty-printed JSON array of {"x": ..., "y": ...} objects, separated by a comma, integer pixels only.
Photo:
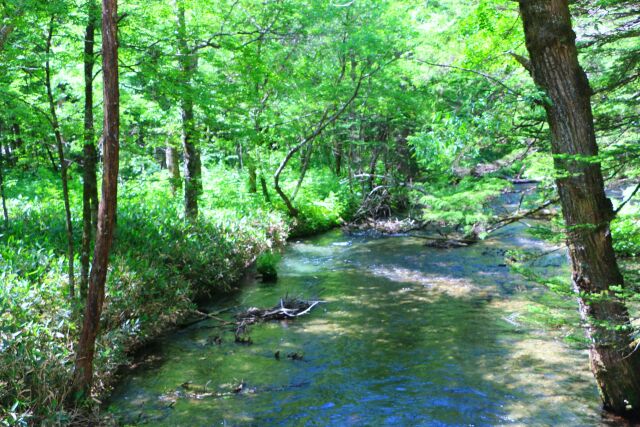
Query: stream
[{"x": 407, "y": 335}]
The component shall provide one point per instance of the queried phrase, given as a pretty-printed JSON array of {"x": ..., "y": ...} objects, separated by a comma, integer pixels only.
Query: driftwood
[{"x": 288, "y": 308}]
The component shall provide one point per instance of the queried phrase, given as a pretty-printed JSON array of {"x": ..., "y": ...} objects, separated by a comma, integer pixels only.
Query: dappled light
[
  {"x": 389, "y": 341},
  {"x": 319, "y": 213}
]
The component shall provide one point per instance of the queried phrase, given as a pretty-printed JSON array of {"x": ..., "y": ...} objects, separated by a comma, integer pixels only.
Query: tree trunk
[
  {"x": 173, "y": 164},
  {"x": 265, "y": 190},
  {"x": 192, "y": 166},
  {"x": 160, "y": 155},
  {"x": 63, "y": 162},
  {"x": 306, "y": 159},
  {"x": 5, "y": 212},
  {"x": 338, "y": 156},
  {"x": 16, "y": 144},
  {"x": 52, "y": 159},
  {"x": 373, "y": 164},
  {"x": 89, "y": 185},
  {"x": 587, "y": 212},
  {"x": 83, "y": 373},
  {"x": 253, "y": 174}
]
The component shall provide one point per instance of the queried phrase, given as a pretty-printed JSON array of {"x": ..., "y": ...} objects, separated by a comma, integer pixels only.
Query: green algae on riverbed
[{"x": 408, "y": 336}]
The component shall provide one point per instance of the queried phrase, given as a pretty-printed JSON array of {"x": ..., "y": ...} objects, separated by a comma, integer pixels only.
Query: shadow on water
[{"x": 408, "y": 336}]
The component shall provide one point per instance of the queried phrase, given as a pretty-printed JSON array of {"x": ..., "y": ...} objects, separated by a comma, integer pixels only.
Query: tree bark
[
  {"x": 265, "y": 190},
  {"x": 306, "y": 159},
  {"x": 173, "y": 164},
  {"x": 89, "y": 185},
  {"x": 52, "y": 159},
  {"x": 5, "y": 212},
  {"x": 192, "y": 166},
  {"x": 338, "y": 150},
  {"x": 83, "y": 373},
  {"x": 16, "y": 144},
  {"x": 587, "y": 212},
  {"x": 63, "y": 163},
  {"x": 253, "y": 173}
]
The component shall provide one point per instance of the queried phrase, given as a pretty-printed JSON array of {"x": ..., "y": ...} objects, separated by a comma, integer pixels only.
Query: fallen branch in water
[{"x": 288, "y": 308}]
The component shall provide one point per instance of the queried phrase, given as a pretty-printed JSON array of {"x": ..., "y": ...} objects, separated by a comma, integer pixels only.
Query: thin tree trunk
[
  {"x": 173, "y": 164},
  {"x": 83, "y": 373},
  {"x": 192, "y": 165},
  {"x": 303, "y": 172},
  {"x": 239, "y": 152},
  {"x": 160, "y": 154},
  {"x": 89, "y": 185},
  {"x": 372, "y": 167},
  {"x": 52, "y": 159},
  {"x": 16, "y": 144},
  {"x": 265, "y": 190},
  {"x": 338, "y": 156},
  {"x": 587, "y": 212},
  {"x": 5, "y": 212},
  {"x": 253, "y": 174},
  {"x": 63, "y": 162}
]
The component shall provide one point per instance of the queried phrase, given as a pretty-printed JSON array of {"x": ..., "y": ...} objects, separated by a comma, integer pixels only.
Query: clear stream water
[{"x": 409, "y": 335}]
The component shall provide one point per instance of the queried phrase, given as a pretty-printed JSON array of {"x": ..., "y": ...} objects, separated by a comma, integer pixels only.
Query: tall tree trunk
[
  {"x": 63, "y": 162},
  {"x": 89, "y": 185},
  {"x": 83, "y": 373},
  {"x": 239, "y": 153},
  {"x": 373, "y": 164},
  {"x": 16, "y": 144},
  {"x": 192, "y": 166},
  {"x": 160, "y": 155},
  {"x": 587, "y": 212},
  {"x": 265, "y": 190},
  {"x": 173, "y": 164},
  {"x": 338, "y": 150},
  {"x": 253, "y": 173},
  {"x": 52, "y": 159},
  {"x": 5, "y": 212}
]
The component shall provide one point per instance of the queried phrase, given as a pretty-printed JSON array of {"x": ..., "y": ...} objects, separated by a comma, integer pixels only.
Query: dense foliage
[{"x": 276, "y": 119}]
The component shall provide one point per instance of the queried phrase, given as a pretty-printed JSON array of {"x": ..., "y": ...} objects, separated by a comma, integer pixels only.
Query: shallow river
[{"x": 409, "y": 335}]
